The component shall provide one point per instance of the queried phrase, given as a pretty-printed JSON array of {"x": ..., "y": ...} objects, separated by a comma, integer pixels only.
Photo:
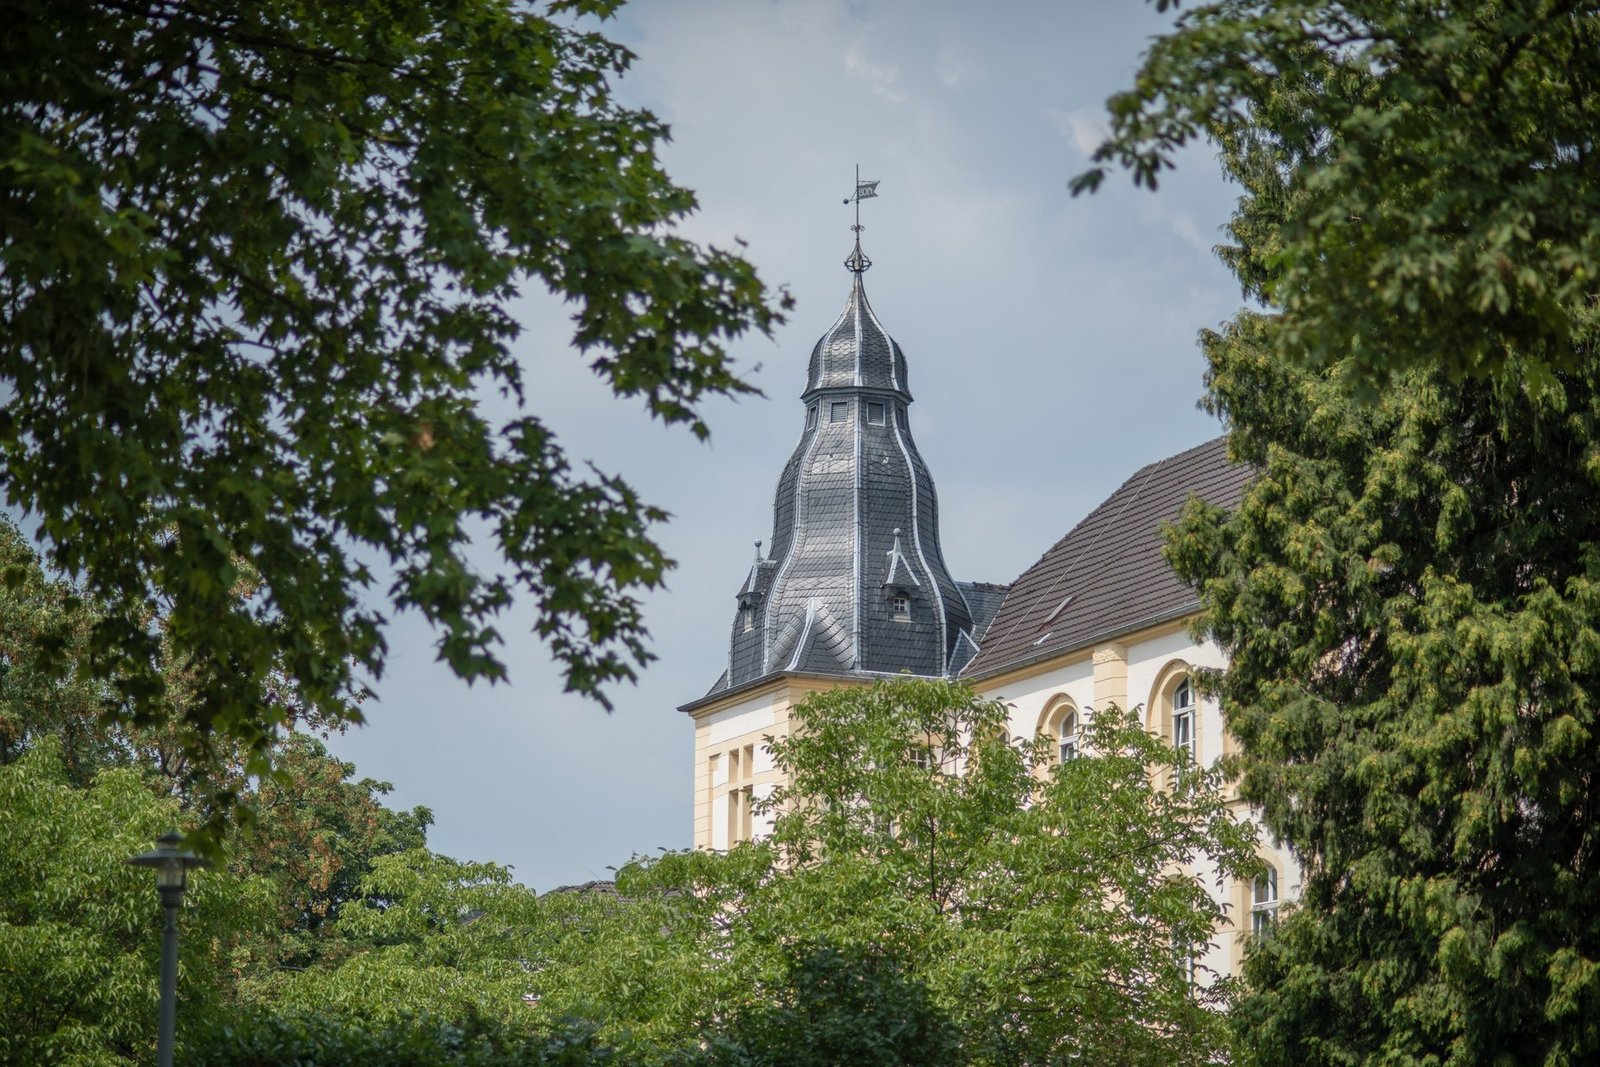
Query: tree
[
  {"x": 1409, "y": 597},
  {"x": 431, "y": 938},
  {"x": 1422, "y": 180},
  {"x": 80, "y": 930},
  {"x": 1407, "y": 593},
  {"x": 254, "y": 294},
  {"x": 1045, "y": 910}
]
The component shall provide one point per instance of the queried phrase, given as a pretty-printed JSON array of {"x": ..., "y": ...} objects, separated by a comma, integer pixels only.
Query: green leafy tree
[
  {"x": 254, "y": 289},
  {"x": 831, "y": 1007},
  {"x": 317, "y": 831},
  {"x": 1038, "y": 906},
  {"x": 433, "y": 938},
  {"x": 1422, "y": 180},
  {"x": 80, "y": 930}
]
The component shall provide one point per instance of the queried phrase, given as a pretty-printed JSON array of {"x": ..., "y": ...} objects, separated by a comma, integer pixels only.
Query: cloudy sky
[{"x": 1050, "y": 342}]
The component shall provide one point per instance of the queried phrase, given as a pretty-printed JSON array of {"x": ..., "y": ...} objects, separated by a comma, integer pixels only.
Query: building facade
[{"x": 855, "y": 588}]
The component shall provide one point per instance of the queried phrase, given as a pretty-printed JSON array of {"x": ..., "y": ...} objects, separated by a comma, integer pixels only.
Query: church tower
[
  {"x": 853, "y": 586},
  {"x": 855, "y": 582}
]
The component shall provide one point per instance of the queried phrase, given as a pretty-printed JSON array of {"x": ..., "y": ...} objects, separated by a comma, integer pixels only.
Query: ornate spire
[
  {"x": 858, "y": 262},
  {"x": 855, "y": 581}
]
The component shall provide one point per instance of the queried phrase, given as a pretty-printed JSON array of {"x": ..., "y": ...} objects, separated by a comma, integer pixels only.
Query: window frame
[
  {"x": 1185, "y": 718},
  {"x": 1264, "y": 901}
]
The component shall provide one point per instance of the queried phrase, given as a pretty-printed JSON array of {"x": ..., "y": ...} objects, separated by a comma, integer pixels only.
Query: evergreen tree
[{"x": 1409, "y": 592}]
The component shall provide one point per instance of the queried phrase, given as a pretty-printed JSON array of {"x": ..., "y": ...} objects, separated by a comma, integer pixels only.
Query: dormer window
[{"x": 902, "y": 607}]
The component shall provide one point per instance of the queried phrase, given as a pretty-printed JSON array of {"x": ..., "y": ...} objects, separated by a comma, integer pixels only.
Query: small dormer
[
  {"x": 754, "y": 590},
  {"x": 901, "y": 587}
]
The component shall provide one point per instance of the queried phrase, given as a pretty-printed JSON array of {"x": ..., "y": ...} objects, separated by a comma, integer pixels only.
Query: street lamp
[{"x": 172, "y": 875}]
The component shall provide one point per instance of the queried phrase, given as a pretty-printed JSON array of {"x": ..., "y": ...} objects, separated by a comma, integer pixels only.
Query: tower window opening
[
  {"x": 811, "y": 416},
  {"x": 839, "y": 411},
  {"x": 874, "y": 414}
]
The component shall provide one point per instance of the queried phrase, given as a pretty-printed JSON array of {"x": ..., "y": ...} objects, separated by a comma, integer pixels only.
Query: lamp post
[{"x": 172, "y": 874}]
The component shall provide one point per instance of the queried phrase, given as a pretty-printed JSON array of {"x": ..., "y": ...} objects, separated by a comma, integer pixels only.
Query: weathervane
[{"x": 858, "y": 260}]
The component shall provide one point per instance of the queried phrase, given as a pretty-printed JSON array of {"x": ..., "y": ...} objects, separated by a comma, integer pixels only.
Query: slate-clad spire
[{"x": 856, "y": 581}]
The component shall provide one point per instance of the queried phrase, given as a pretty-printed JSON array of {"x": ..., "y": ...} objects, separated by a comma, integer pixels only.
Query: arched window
[
  {"x": 1183, "y": 718},
  {"x": 1067, "y": 735},
  {"x": 1264, "y": 902},
  {"x": 1062, "y": 721}
]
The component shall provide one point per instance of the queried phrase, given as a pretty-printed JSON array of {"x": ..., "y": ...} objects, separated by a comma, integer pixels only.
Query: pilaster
[{"x": 1111, "y": 675}]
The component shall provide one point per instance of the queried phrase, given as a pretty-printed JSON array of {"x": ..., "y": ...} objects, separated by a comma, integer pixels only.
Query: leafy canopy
[
  {"x": 1038, "y": 906},
  {"x": 1432, "y": 165},
  {"x": 254, "y": 335}
]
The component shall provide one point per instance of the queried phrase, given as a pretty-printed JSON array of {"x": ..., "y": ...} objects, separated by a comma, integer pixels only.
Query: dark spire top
[
  {"x": 856, "y": 582},
  {"x": 858, "y": 261}
]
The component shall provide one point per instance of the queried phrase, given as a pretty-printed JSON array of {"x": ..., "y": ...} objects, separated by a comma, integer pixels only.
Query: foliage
[
  {"x": 312, "y": 1040},
  {"x": 840, "y": 1006},
  {"x": 1422, "y": 181},
  {"x": 317, "y": 832},
  {"x": 254, "y": 293},
  {"x": 44, "y": 633},
  {"x": 430, "y": 937},
  {"x": 1408, "y": 592},
  {"x": 1409, "y": 596},
  {"x": 1037, "y": 906},
  {"x": 80, "y": 929}
]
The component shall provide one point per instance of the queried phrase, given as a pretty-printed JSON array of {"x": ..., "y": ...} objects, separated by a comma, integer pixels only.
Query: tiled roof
[
  {"x": 855, "y": 528},
  {"x": 1108, "y": 576},
  {"x": 984, "y": 598}
]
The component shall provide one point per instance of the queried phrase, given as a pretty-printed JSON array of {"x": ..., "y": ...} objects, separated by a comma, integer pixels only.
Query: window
[
  {"x": 874, "y": 413},
  {"x": 902, "y": 607},
  {"x": 1069, "y": 736},
  {"x": 741, "y": 794},
  {"x": 749, "y": 619},
  {"x": 1264, "y": 902},
  {"x": 1183, "y": 955},
  {"x": 838, "y": 411},
  {"x": 1183, "y": 719},
  {"x": 811, "y": 416}
]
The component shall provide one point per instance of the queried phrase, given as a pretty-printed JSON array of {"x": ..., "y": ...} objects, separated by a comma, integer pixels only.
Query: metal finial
[{"x": 858, "y": 261}]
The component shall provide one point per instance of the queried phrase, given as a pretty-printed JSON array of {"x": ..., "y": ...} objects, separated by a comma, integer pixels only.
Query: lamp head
[{"x": 170, "y": 862}]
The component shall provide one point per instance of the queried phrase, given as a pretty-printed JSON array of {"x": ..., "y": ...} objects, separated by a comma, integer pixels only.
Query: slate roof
[
  {"x": 855, "y": 527},
  {"x": 1107, "y": 575}
]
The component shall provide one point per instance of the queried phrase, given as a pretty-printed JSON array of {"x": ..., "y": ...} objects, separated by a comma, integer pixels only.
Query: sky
[{"x": 1051, "y": 344}]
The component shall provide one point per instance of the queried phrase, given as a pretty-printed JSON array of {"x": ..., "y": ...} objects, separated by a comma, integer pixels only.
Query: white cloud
[
  {"x": 880, "y": 77},
  {"x": 953, "y": 71},
  {"x": 1085, "y": 127}
]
